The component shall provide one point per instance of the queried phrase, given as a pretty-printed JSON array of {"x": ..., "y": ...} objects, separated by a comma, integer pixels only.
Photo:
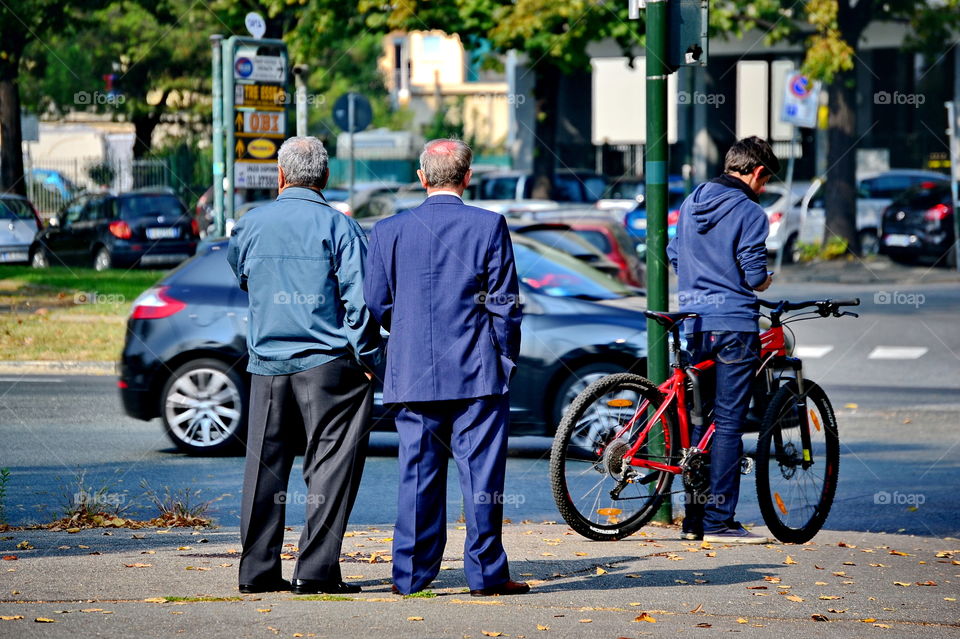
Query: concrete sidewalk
[{"x": 175, "y": 583}]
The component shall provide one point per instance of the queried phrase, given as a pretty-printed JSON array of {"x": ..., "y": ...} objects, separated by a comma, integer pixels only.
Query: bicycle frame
[{"x": 773, "y": 357}]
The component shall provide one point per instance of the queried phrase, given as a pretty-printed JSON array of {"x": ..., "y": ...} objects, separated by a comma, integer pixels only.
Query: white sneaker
[{"x": 735, "y": 535}]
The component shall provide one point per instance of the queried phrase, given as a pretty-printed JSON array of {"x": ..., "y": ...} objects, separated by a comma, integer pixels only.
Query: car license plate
[
  {"x": 14, "y": 256},
  {"x": 172, "y": 258},
  {"x": 896, "y": 239},
  {"x": 165, "y": 233}
]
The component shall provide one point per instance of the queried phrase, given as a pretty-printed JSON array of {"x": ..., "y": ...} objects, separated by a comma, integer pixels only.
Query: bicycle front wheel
[
  {"x": 795, "y": 489},
  {"x": 598, "y": 493}
]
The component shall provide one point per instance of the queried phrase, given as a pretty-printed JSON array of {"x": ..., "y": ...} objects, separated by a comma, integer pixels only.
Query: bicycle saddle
[{"x": 668, "y": 320}]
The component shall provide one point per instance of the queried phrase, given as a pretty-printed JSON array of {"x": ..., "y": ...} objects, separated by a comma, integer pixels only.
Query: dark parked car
[
  {"x": 104, "y": 230},
  {"x": 568, "y": 186},
  {"x": 565, "y": 239},
  {"x": 919, "y": 224},
  {"x": 185, "y": 354},
  {"x": 19, "y": 223}
]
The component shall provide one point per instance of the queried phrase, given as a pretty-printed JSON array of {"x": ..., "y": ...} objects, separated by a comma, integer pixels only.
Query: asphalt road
[{"x": 893, "y": 376}]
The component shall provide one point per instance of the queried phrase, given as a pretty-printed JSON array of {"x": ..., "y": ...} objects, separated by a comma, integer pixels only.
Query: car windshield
[
  {"x": 135, "y": 206},
  {"x": 553, "y": 273},
  {"x": 924, "y": 197},
  {"x": 562, "y": 239},
  {"x": 13, "y": 209},
  {"x": 626, "y": 190}
]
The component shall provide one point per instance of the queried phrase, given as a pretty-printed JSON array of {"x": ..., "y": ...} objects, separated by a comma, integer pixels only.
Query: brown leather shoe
[
  {"x": 395, "y": 590},
  {"x": 509, "y": 588}
]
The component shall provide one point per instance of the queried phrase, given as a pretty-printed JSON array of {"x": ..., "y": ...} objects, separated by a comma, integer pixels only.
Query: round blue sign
[
  {"x": 800, "y": 86},
  {"x": 244, "y": 67}
]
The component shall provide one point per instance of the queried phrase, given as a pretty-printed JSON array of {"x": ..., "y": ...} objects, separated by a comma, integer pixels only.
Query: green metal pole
[
  {"x": 656, "y": 194},
  {"x": 218, "y": 168},
  {"x": 228, "y": 130}
]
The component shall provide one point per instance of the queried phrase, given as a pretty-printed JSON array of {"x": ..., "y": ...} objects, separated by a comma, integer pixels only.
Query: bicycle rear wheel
[
  {"x": 598, "y": 494},
  {"x": 795, "y": 491}
]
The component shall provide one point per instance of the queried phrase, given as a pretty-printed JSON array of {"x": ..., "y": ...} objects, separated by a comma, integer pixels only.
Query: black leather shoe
[
  {"x": 265, "y": 586},
  {"x": 314, "y": 587},
  {"x": 509, "y": 588}
]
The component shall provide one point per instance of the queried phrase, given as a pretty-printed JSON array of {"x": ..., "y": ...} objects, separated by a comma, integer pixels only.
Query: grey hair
[
  {"x": 303, "y": 160},
  {"x": 445, "y": 162}
]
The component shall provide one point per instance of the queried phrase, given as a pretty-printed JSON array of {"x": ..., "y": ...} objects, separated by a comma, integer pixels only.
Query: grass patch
[
  {"x": 834, "y": 249},
  {"x": 423, "y": 594},
  {"x": 67, "y": 313},
  {"x": 4, "y": 480},
  {"x": 201, "y": 599},
  {"x": 324, "y": 598}
]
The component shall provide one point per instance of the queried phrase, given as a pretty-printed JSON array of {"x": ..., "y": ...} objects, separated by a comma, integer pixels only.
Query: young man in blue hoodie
[{"x": 720, "y": 257}]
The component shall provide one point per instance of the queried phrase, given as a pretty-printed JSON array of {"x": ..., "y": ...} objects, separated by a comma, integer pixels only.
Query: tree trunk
[
  {"x": 11, "y": 137},
  {"x": 143, "y": 126},
  {"x": 841, "y": 195},
  {"x": 546, "y": 93}
]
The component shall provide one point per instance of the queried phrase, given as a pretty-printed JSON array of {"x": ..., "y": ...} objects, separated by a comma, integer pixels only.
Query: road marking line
[
  {"x": 898, "y": 352},
  {"x": 812, "y": 352},
  {"x": 31, "y": 381}
]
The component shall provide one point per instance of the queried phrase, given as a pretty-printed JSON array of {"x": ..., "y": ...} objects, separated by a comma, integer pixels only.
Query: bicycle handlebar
[{"x": 825, "y": 307}]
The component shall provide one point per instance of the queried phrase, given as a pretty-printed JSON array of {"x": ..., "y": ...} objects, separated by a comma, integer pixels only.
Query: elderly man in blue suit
[{"x": 441, "y": 278}]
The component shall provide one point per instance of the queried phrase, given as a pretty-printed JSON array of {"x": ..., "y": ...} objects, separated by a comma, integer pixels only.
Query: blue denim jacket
[{"x": 302, "y": 263}]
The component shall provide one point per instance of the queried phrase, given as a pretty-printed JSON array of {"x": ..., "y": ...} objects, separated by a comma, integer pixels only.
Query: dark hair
[{"x": 749, "y": 153}]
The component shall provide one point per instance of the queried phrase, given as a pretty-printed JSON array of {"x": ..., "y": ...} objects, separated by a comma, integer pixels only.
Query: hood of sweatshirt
[{"x": 711, "y": 202}]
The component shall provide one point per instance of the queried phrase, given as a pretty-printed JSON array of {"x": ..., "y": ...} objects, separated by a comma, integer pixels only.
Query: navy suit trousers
[{"x": 475, "y": 431}]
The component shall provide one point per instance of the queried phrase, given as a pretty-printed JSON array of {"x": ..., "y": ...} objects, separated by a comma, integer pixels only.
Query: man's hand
[
  {"x": 369, "y": 376},
  {"x": 766, "y": 284}
]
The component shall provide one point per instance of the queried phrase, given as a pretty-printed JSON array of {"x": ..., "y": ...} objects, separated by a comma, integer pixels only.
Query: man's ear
[
  {"x": 423, "y": 178},
  {"x": 281, "y": 180},
  {"x": 466, "y": 178},
  {"x": 325, "y": 178}
]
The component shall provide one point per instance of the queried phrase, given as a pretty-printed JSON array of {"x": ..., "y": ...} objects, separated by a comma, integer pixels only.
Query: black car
[
  {"x": 568, "y": 186},
  {"x": 185, "y": 354},
  {"x": 564, "y": 238},
  {"x": 104, "y": 230},
  {"x": 919, "y": 225}
]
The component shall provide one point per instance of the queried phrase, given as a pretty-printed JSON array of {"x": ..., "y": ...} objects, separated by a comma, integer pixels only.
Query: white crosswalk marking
[
  {"x": 898, "y": 352},
  {"x": 812, "y": 352}
]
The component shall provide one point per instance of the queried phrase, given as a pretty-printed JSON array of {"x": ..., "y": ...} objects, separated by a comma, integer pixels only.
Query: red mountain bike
[{"x": 623, "y": 439}]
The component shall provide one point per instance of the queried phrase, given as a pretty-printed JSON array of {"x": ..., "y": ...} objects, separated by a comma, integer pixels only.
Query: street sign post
[
  {"x": 352, "y": 113},
  {"x": 254, "y": 104},
  {"x": 801, "y": 106}
]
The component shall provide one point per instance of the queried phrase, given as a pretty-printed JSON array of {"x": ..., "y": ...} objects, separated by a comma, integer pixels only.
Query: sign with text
[
  {"x": 260, "y": 68},
  {"x": 255, "y": 175},
  {"x": 260, "y": 95},
  {"x": 260, "y": 123},
  {"x": 801, "y": 99}
]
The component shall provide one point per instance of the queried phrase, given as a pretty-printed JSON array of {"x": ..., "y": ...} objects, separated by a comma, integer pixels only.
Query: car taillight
[
  {"x": 120, "y": 230},
  {"x": 937, "y": 213},
  {"x": 673, "y": 217},
  {"x": 154, "y": 303},
  {"x": 776, "y": 216},
  {"x": 195, "y": 227}
]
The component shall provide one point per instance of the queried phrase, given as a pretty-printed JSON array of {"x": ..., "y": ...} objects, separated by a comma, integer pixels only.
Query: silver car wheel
[{"x": 202, "y": 408}]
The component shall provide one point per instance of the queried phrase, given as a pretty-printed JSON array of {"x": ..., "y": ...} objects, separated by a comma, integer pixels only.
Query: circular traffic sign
[
  {"x": 362, "y": 112},
  {"x": 800, "y": 85}
]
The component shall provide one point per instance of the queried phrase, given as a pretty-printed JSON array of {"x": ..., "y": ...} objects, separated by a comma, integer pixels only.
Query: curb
[
  {"x": 65, "y": 367},
  {"x": 871, "y": 273}
]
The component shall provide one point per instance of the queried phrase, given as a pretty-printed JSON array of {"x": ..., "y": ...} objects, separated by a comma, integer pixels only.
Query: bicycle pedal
[{"x": 747, "y": 465}]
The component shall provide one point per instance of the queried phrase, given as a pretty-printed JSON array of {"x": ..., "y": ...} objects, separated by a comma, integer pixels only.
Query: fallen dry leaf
[
  {"x": 697, "y": 609},
  {"x": 742, "y": 620},
  {"x": 45, "y": 620},
  {"x": 601, "y": 571},
  {"x": 11, "y": 617},
  {"x": 789, "y": 561},
  {"x": 156, "y": 600},
  {"x": 794, "y": 598},
  {"x": 704, "y": 625},
  {"x": 264, "y": 609},
  {"x": 828, "y": 597},
  {"x": 819, "y": 618},
  {"x": 414, "y": 618},
  {"x": 138, "y": 565},
  {"x": 901, "y": 583},
  {"x": 586, "y": 621},
  {"x": 491, "y": 633},
  {"x": 880, "y": 625},
  {"x": 580, "y": 554},
  {"x": 837, "y": 611},
  {"x": 867, "y": 620},
  {"x": 9, "y": 557},
  {"x": 645, "y": 617}
]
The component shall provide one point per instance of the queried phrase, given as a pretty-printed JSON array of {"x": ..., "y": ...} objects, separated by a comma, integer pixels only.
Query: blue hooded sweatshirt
[{"x": 720, "y": 256}]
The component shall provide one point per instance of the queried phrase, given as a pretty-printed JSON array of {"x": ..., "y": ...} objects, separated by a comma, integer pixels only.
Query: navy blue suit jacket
[{"x": 441, "y": 279}]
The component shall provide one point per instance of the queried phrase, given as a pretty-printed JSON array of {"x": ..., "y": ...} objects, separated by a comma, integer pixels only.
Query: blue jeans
[{"x": 737, "y": 357}]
